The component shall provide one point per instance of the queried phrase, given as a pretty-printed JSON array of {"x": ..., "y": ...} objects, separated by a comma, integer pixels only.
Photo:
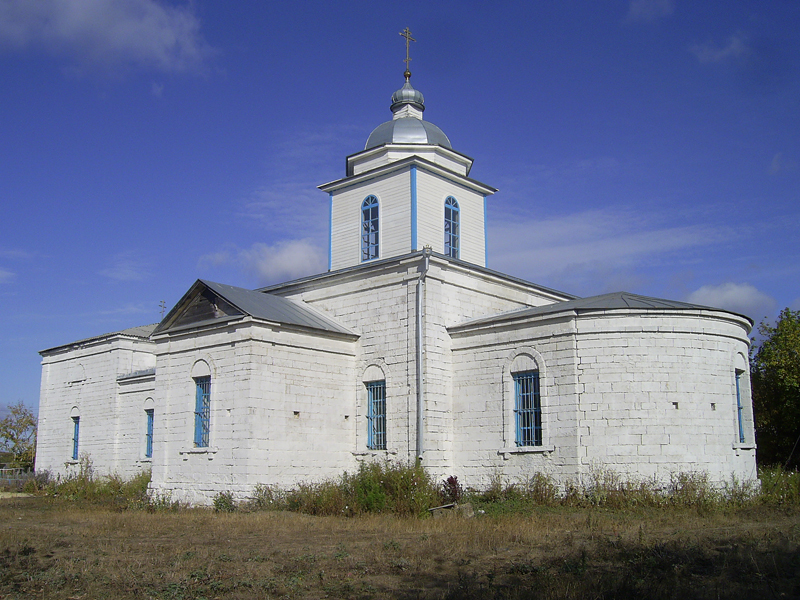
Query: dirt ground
[{"x": 53, "y": 549}]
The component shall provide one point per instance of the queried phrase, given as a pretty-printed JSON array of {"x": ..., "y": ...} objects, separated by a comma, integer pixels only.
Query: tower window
[
  {"x": 451, "y": 227},
  {"x": 369, "y": 228}
]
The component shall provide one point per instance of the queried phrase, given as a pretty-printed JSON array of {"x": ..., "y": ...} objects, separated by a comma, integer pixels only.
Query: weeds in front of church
[
  {"x": 55, "y": 547},
  {"x": 608, "y": 537},
  {"x": 377, "y": 487}
]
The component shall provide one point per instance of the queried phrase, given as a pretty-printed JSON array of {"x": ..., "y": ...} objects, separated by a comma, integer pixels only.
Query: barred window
[
  {"x": 739, "y": 406},
  {"x": 202, "y": 411},
  {"x": 148, "y": 436},
  {"x": 76, "y": 426},
  {"x": 376, "y": 415},
  {"x": 527, "y": 409}
]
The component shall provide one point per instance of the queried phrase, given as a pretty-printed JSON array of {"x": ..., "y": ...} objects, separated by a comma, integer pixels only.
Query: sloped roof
[
  {"x": 141, "y": 331},
  {"x": 615, "y": 300},
  {"x": 261, "y": 305}
]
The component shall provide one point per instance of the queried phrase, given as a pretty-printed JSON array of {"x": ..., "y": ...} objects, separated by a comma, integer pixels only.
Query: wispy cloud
[
  {"x": 6, "y": 276},
  {"x": 710, "y": 53},
  {"x": 780, "y": 164},
  {"x": 16, "y": 254},
  {"x": 282, "y": 261},
  {"x": 649, "y": 10},
  {"x": 599, "y": 245},
  {"x": 126, "y": 266},
  {"x": 130, "y": 309},
  {"x": 107, "y": 33},
  {"x": 742, "y": 298},
  {"x": 290, "y": 204}
]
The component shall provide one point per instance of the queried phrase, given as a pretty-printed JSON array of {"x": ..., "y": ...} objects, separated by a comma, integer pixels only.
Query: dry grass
[{"x": 53, "y": 548}]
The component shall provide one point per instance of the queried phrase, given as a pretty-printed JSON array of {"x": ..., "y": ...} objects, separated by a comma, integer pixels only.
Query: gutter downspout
[{"x": 426, "y": 253}]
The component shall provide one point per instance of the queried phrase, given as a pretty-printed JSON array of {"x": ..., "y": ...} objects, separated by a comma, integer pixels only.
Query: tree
[
  {"x": 776, "y": 390},
  {"x": 18, "y": 435}
]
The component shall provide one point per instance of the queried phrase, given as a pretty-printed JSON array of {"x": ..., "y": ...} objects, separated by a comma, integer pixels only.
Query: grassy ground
[{"x": 59, "y": 548}]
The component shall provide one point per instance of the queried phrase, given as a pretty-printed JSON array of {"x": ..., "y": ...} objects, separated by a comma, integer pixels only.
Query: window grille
[
  {"x": 451, "y": 227},
  {"x": 202, "y": 411},
  {"x": 369, "y": 228},
  {"x": 376, "y": 415},
  {"x": 76, "y": 426},
  {"x": 148, "y": 436},
  {"x": 739, "y": 406},
  {"x": 527, "y": 409}
]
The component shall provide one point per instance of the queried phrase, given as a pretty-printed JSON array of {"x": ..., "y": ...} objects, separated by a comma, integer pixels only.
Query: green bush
[
  {"x": 377, "y": 487},
  {"x": 224, "y": 502},
  {"x": 779, "y": 486}
]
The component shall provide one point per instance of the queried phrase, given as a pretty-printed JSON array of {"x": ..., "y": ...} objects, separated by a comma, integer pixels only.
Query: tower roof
[{"x": 407, "y": 126}]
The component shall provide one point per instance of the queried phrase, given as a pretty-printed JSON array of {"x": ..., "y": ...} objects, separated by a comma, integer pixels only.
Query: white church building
[{"x": 408, "y": 348}]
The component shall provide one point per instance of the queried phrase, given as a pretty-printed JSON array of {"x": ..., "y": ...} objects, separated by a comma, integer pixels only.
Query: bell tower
[{"x": 407, "y": 189}]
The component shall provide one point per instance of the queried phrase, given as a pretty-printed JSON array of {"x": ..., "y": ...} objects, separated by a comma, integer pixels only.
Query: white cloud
[
  {"x": 711, "y": 53},
  {"x": 282, "y": 261},
  {"x": 6, "y": 276},
  {"x": 742, "y": 298},
  {"x": 591, "y": 241},
  {"x": 146, "y": 33},
  {"x": 126, "y": 267},
  {"x": 649, "y": 10}
]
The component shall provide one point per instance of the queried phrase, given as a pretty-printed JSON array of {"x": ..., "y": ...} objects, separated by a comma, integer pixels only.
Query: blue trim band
[
  {"x": 485, "y": 236},
  {"x": 330, "y": 231},
  {"x": 413, "y": 208}
]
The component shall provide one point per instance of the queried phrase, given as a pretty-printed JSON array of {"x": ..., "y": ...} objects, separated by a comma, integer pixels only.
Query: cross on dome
[{"x": 406, "y": 33}]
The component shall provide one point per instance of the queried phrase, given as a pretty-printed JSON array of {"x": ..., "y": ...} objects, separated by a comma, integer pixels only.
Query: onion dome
[{"x": 407, "y": 126}]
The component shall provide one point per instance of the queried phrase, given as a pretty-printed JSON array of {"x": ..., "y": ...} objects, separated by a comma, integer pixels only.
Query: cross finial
[{"x": 406, "y": 33}]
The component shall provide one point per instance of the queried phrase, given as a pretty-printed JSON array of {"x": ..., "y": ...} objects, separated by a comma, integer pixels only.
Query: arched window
[
  {"x": 527, "y": 409},
  {"x": 369, "y": 228},
  {"x": 451, "y": 227}
]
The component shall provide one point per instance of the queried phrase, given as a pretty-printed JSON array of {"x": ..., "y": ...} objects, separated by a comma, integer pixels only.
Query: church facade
[{"x": 408, "y": 348}]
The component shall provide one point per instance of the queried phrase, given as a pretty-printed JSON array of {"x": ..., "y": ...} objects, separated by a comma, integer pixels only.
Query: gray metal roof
[
  {"x": 407, "y": 130},
  {"x": 375, "y": 265},
  {"x": 141, "y": 331},
  {"x": 275, "y": 308},
  {"x": 615, "y": 300}
]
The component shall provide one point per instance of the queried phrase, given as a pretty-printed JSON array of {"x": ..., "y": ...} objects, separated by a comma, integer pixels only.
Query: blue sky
[{"x": 651, "y": 146}]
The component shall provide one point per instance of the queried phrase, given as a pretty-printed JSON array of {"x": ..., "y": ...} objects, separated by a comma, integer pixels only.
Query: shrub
[
  {"x": 779, "y": 486},
  {"x": 451, "y": 490},
  {"x": 224, "y": 502},
  {"x": 377, "y": 487}
]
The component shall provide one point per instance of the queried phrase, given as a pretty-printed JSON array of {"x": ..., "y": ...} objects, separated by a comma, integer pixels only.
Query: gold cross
[{"x": 406, "y": 33}]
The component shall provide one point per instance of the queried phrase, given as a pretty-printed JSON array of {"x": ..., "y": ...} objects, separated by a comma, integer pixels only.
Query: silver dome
[
  {"x": 408, "y": 95},
  {"x": 407, "y": 130}
]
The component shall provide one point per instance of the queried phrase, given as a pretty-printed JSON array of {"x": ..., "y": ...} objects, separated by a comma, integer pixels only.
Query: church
[{"x": 408, "y": 348}]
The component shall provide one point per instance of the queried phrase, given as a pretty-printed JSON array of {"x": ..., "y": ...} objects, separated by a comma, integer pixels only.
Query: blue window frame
[
  {"x": 739, "y": 406},
  {"x": 376, "y": 415},
  {"x": 76, "y": 427},
  {"x": 148, "y": 436},
  {"x": 527, "y": 409},
  {"x": 451, "y": 227},
  {"x": 369, "y": 229},
  {"x": 202, "y": 411}
]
